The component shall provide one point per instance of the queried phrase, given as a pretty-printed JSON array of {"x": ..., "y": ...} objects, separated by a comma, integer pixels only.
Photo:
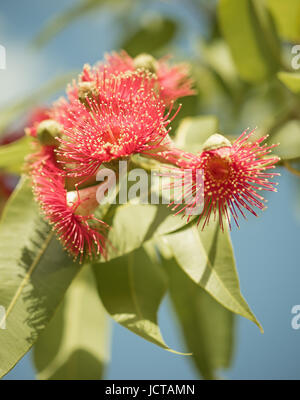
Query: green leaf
[
  {"x": 287, "y": 17},
  {"x": 291, "y": 80},
  {"x": 75, "y": 345},
  {"x": 193, "y": 132},
  {"x": 207, "y": 258},
  {"x": 12, "y": 155},
  {"x": 151, "y": 37},
  {"x": 208, "y": 328},
  {"x": 141, "y": 222},
  {"x": 11, "y": 112},
  {"x": 189, "y": 108},
  {"x": 248, "y": 30},
  {"x": 35, "y": 272},
  {"x": 217, "y": 55},
  {"x": 289, "y": 138},
  {"x": 131, "y": 289},
  {"x": 136, "y": 221}
]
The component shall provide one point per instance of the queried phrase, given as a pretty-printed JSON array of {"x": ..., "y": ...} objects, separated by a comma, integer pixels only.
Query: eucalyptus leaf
[
  {"x": 75, "y": 345},
  {"x": 131, "y": 289},
  {"x": 207, "y": 258},
  {"x": 12, "y": 155},
  {"x": 291, "y": 80},
  {"x": 249, "y": 32},
  {"x": 134, "y": 224},
  {"x": 208, "y": 327},
  {"x": 217, "y": 55},
  {"x": 289, "y": 138},
  {"x": 287, "y": 18},
  {"x": 193, "y": 131},
  {"x": 35, "y": 272}
]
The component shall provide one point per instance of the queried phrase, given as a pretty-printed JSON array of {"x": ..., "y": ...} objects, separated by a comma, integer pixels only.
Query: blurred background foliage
[{"x": 241, "y": 57}]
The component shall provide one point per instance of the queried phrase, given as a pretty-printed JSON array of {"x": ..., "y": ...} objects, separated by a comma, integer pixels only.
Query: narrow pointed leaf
[
  {"x": 208, "y": 327},
  {"x": 12, "y": 155},
  {"x": 141, "y": 222},
  {"x": 35, "y": 272},
  {"x": 249, "y": 32},
  {"x": 289, "y": 138},
  {"x": 291, "y": 80},
  {"x": 193, "y": 131},
  {"x": 287, "y": 18},
  {"x": 207, "y": 258},
  {"x": 131, "y": 289},
  {"x": 75, "y": 345}
]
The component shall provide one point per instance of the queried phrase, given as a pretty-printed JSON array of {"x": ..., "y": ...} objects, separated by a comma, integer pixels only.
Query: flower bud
[
  {"x": 84, "y": 201},
  {"x": 86, "y": 90},
  {"x": 47, "y": 132},
  {"x": 147, "y": 62},
  {"x": 215, "y": 142}
]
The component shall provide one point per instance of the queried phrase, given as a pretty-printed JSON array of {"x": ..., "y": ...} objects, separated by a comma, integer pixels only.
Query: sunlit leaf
[
  {"x": 35, "y": 272},
  {"x": 289, "y": 138},
  {"x": 207, "y": 258},
  {"x": 12, "y": 155},
  {"x": 131, "y": 289},
  {"x": 141, "y": 222},
  {"x": 193, "y": 132},
  {"x": 249, "y": 32},
  {"x": 291, "y": 80},
  {"x": 218, "y": 58},
  {"x": 75, "y": 345},
  {"x": 287, "y": 17},
  {"x": 208, "y": 328}
]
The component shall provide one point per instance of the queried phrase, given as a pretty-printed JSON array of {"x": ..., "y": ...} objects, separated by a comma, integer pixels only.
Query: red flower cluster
[
  {"x": 119, "y": 108},
  {"x": 122, "y": 117},
  {"x": 171, "y": 80},
  {"x": 114, "y": 110}
]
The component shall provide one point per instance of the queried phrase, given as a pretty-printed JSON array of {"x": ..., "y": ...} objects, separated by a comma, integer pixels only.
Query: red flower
[
  {"x": 172, "y": 81},
  {"x": 233, "y": 176},
  {"x": 75, "y": 231},
  {"x": 123, "y": 117},
  {"x": 116, "y": 63},
  {"x": 9, "y": 181}
]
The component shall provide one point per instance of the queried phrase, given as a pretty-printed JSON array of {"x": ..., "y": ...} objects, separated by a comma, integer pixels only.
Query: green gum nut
[
  {"x": 216, "y": 141},
  {"x": 47, "y": 132},
  {"x": 86, "y": 90},
  {"x": 147, "y": 62}
]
